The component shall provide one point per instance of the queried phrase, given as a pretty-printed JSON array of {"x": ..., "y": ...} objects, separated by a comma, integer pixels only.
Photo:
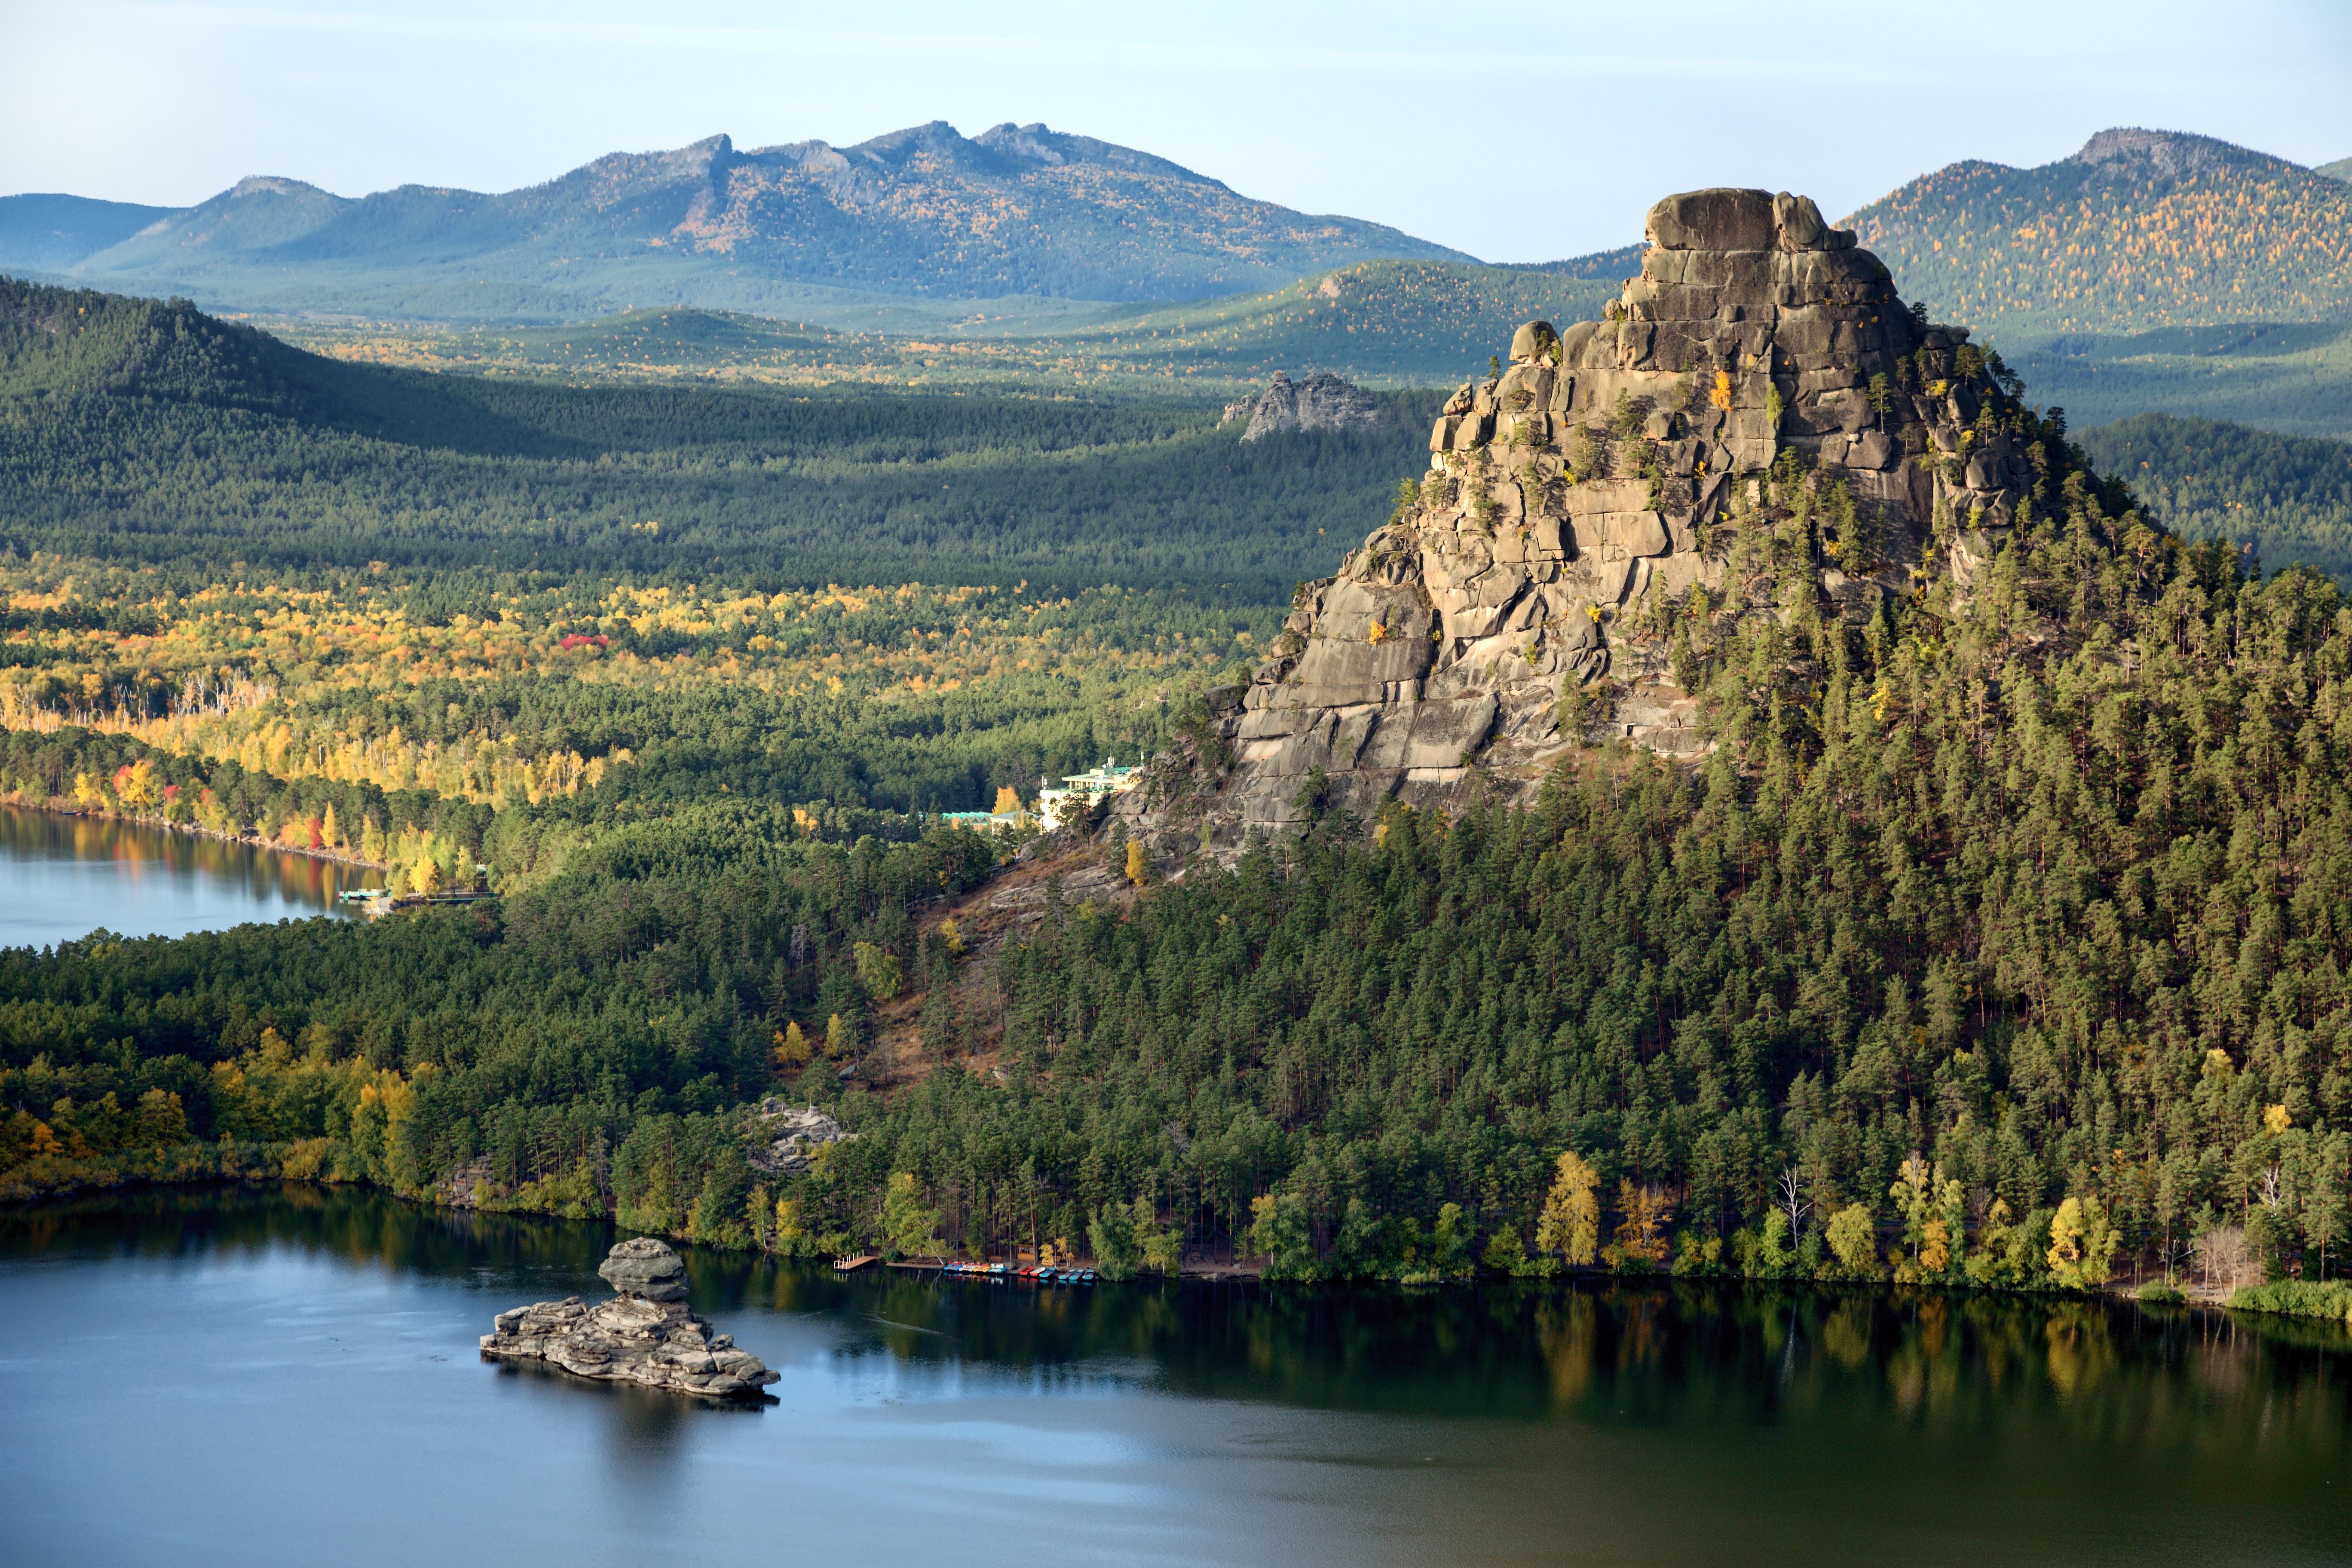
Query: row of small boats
[{"x": 1035, "y": 1273}]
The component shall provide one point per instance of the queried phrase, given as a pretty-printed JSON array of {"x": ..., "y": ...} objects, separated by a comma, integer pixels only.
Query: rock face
[
  {"x": 1321, "y": 402},
  {"x": 1759, "y": 369},
  {"x": 793, "y": 1132},
  {"x": 646, "y": 1334}
]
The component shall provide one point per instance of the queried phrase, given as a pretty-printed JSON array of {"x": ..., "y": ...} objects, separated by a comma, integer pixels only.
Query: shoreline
[
  {"x": 56, "y": 806},
  {"x": 1202, "y": 1272}
]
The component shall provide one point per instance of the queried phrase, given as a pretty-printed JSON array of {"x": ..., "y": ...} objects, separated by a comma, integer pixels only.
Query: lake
[
  {"x": 64, "y": 877},
  {"x": 291, "y": 1375}
]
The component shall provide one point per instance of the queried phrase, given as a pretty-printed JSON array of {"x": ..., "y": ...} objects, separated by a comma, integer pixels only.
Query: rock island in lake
[{"x": 644, "y": 1334}]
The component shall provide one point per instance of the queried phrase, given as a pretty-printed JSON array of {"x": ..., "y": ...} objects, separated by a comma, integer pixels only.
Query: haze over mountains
[
  {"x": 805, "y": 230},
  {"x": 2148, "y": 270}
]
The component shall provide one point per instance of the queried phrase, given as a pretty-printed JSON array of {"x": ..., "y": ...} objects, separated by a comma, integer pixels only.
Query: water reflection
[
  {"x": 1660, "y": 1423},
  {"x": 63, "y": 877},
  {"x": 1647, "y": 1351}
]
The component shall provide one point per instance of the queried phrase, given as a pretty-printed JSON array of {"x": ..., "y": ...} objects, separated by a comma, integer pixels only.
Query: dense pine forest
[
  {"x": 133, "y": 431},
  {"x": 2289, "y": 496},
  {"x": 1999, "y": 942},
  {"x": 1386, "y": 323}
]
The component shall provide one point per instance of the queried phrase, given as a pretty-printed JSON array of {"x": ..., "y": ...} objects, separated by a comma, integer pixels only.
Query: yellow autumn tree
[
  {"x": 1643, "y": 1232},
  {"x": 791, "y": 1048},
  {"x": 134, "y": 786},
  {"x": 1570, "y": 1223},
  {"x": 1008, "y": 800},
  {"x": 1928, "y": 1200},
  {"x": 2081, "y": 1244},
  {"x": 1135, "y": 861}
]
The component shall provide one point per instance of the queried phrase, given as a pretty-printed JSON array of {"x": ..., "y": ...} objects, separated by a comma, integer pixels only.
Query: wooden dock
[{"x": 852, "y": 1264}]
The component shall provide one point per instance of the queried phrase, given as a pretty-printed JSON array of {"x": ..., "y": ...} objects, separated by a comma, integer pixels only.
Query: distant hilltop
[
  {"x": 2139, "y": 229},
  {"x": 798, "y": 230}
]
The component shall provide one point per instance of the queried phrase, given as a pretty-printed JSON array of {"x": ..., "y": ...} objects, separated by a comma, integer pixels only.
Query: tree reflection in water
[{"x": 2117, "y": 1374}]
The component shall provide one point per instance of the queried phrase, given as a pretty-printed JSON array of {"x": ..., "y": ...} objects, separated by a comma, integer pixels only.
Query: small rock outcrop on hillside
[
  {"x": 785, "y": 1136},
  {"x": 1321, "y": 402},
  {"x": 644, "y": 1334},
  {"x": 1759, "y": 379}
]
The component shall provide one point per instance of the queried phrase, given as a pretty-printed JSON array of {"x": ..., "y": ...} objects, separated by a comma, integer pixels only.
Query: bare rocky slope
[{"x": 1759, "y": 376}]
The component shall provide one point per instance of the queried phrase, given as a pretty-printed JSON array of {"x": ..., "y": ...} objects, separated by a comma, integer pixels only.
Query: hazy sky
[{"x": 1515, "y": 131}]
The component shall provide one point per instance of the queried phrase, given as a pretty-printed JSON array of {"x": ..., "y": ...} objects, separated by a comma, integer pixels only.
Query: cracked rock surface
[{"x": 1524, "y": 600}]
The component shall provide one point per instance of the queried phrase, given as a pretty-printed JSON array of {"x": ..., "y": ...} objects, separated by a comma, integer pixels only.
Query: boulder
[
  {"x": 643, "y": 1335},
  {"x": 1719, "y": 219},
  {"x": 645, "y": 1268},
  {"x": 1799, "y": 221}
]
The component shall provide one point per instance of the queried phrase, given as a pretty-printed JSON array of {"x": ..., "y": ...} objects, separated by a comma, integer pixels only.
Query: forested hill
[
  {"x": 800, "y": 230},
  {"x": 2138, "y": 230},
  {"x": 132, "y": 431},
  {"x": 2289, "y": 496},
  {"x": 1384, "y": 322},
  {"x": 2001, "y": 940}
]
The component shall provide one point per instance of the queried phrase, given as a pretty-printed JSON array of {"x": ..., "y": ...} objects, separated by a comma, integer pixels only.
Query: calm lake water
[
  {"x": 64, "y": 877},
  {"x": 291, "y": 1375}
]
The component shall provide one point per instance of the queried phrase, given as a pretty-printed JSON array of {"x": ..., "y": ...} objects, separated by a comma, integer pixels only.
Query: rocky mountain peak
[
  {"x": 271, "y": 185},
  {"x": 1024, "y": 142},
  {"x": 1757, "y": 386},
  {"x": 2168, "y": 154}
]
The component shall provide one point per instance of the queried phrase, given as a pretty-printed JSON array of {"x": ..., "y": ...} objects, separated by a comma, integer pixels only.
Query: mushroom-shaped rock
[
  {"x": 646, "y": 1334},
  {"x": 644, "y": 1267},
  {"x": 1533, "y": 342}
]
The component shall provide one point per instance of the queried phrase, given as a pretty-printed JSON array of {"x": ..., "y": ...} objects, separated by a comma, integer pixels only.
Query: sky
[{"x": 1516, "y": 132}]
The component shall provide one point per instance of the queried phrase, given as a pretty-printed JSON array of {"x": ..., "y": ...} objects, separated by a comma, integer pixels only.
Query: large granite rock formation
[
  {"x": 646, "y": 1334},
  {"x": 1321, "y": 402},
  {"x": 1759, "y": 375}
]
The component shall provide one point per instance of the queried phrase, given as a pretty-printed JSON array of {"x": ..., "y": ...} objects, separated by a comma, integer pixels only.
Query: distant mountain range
[
  {"x": 805, "y": 230},
  {"x": 2149, "y": 271},
  {"x": 2139, "y": 230}
]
